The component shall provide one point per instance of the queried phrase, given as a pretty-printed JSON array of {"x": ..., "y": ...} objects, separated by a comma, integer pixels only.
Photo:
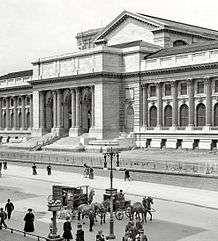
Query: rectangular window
[
  {"x": 216, "y": 85},
  {"x": 129, "y": 94},
  {"x": 152, "y": 91},
  {"x": 167, "y": 89},
  {"x": 200, "y": 87},
  {"x": 183, "y": 89}
]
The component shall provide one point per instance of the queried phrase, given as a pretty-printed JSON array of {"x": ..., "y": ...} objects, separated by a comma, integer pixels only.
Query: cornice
[{"x": 24, "y": 87}]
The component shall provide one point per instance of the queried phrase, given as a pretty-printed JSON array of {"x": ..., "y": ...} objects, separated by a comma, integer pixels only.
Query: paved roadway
[{"x": 173, "y": 221}]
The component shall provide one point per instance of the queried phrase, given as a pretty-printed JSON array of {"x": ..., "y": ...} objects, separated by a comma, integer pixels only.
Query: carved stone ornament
[
  {"x": 200, "y": 100},
  {"x": 183, "y": 101}
]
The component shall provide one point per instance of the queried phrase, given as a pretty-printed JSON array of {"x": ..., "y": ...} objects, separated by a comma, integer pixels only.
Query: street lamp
[{"x": 111, "y": 154}]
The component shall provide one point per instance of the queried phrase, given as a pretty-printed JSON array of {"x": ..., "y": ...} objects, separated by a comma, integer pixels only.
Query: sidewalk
[
  {"x": 192, "y": 196},
  {"x": 6, "y": 235}
]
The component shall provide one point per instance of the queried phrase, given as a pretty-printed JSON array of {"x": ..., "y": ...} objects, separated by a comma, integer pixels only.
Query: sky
[{"x": 31, "y": 29}]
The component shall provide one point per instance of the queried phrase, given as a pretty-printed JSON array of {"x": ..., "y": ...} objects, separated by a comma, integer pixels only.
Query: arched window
[
  {"x": 28, "y": 119},
  {"x": 179, "y": 43},
  {"x": 201, "y": 112},
  {"x": 153, "y": 116},
  {"x": 4, "y": 121},
  {"x": 216, "y": 115},
  {"x": 168, "y": 116},
  {"x": 183, "y": 115},
  {"x": 4, "y": 102},
  {"x": 19, "y": 120}
]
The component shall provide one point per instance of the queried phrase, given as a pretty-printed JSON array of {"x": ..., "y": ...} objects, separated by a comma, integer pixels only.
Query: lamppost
[{"x": 111, "y": 154}]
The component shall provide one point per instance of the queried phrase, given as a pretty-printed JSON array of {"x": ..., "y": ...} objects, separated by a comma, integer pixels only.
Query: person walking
[
  {"x": 0, "y": 169},
  {"x": 34, "y": 169},
  {"x": 9, "y": 207},
  {"x": 3, "y": 216},
  {"x": 91, "y": 221},
  {"x": 49, "y": 170},
  {"x": 67, "y": 235},
  {"x": 100, "y": 236},
  {"x": 29, "y": 221},
  {"x": 79, "y": 233},
  {"x": 126, "y": 175},
  {"x": 91, "y": 173},
  {"x": 5, "y": 165}
]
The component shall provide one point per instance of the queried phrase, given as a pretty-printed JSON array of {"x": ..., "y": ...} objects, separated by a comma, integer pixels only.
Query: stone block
[
  {"x": 171, "y": 143},
  {"x": 187, "y": 144},
  {"x": 205, "y": 144},
  {"x": 155, "y": 143}
]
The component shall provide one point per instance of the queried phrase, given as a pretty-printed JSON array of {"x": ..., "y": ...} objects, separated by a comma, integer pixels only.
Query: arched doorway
[
  {"x": 168, "y": 116},
  {"x": 153, "y": 116},
  {"x": 67, "y": 111},
  {"x": 86, "y": 110},
  {"x": 201, "y": 113},
  {"x": 49, "y": 111},
  {"x": 216, "y": 114},
  {"x": 183, "y": 115},
  {"x": 129, "y": 119}
]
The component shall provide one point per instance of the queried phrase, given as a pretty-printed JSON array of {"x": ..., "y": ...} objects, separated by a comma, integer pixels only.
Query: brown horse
[{"x": 138, "y": 211}]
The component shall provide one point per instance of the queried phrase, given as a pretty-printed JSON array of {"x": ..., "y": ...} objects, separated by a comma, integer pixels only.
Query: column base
[
  {"x": 171, "y": 143},
  {"x": 206, "y": 128},
  {"x": 58, "y": 131},
  {"x": 38, "y": 132},
  {"x": 74, "y": 131}
]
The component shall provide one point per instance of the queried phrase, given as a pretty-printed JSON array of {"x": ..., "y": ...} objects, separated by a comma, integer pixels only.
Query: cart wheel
[{"x": 119, "y": 214}]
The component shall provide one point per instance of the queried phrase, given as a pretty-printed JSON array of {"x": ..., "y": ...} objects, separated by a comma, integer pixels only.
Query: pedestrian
[
  {"x": 100, "y": 236},
  {"x": 0, "y": 169},
  {"x": 29, "y": 221},
  {"x": 67, "y": 235},
  {"x": 3, "y": 216},
  {"x": 79, "y": 233},
  {"x": 9, "y": 207},
  {"x": 34, "y": 169},
  {"x": 91, "y": 221},
  {"x": 50, "y": 228},
  {"x": 5, "y": 165},
  {"x": 91, "y": 173},
  {"x": 126, "y": 175},
  {"x": 49, "y": 170}
]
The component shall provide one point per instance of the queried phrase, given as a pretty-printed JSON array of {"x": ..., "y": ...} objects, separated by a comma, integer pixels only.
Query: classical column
[
  {"x": 208, "y": 101},
  {"x": 7, "y": 113},
  {"x": 23, "y": 122},
  {"x": 54, "y": 93},
  {"x": 191, "y": 102},
  {"x": 77, "y": 107},
  {"x": 93, "y": 105},
  {"x": 59, "y": 109},
  {"x": 73, "y": 108},
  {"x": 31, "y": 111},
  {"x": 15, "y": 112},
  {"x": 42, "y": 109},
  {"x": 159, "y": 104},
  {"x": 0, "y": 113},
  {"x": 144, "y": 106},
  {"x": 174, "y": 86}
]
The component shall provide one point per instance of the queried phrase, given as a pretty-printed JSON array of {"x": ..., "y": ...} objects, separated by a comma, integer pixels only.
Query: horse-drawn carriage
[
  {"x": 71, "y": 198},
  {"x": 120, "y": 207}
]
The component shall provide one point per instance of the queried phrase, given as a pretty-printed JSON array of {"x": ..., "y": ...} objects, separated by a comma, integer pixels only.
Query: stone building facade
[{"x": 154, "y": 78}]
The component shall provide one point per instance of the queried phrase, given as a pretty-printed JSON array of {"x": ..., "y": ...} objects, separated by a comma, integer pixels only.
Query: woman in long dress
[
  {"x": 67, "y": 235},
  {"x": 29, "y": 221}
]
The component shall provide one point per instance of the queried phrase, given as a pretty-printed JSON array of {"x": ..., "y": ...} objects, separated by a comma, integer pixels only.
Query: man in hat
[
  {"x": 29, "y": 221},
  {"x": 9, "y": 207},
  {"x": 79, "y": 233},
  {"x": 3, "y": 216}
]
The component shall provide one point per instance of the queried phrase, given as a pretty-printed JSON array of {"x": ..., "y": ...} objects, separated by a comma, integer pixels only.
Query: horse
[
  {"x": 147, "y": 206},
  {"x": 137, "y": 210},
  {"x": 85, "y": 210},
  {"x": 99, "y": 209}
]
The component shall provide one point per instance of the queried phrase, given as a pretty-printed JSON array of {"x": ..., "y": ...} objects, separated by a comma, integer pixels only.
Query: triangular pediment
[{"x": 125, "y": 24}]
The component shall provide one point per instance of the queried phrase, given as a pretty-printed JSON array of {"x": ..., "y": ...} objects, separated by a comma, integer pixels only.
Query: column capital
[{"x": 72, "y": 90}]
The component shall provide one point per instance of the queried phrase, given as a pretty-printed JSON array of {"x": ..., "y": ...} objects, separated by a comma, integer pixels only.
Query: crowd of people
[{"x": 134, "y": 232}]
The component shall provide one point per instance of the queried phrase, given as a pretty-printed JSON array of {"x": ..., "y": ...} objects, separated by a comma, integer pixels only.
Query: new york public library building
[{"x": 142, "y": 77}]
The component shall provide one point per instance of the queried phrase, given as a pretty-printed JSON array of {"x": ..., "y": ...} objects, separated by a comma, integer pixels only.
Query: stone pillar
[
  {"x": 54, "y": 94},
  {"x": 144, "y": 106},
  {"x": 7, "y": 113},
  {"x": 15, "y": 112},
  {"x": 175, "y": 104},
  {"x": 208, "y": 101},
  {"x": 42, "y": 110},
  {"x": 23, "y": 122},
  {"x": 0, "y": 113},
  {"x": 191, "y": 102},
  {"x": 75, "y": 105},
  {"x": 31, "y": 111},
  {"x": 159, "y": 105},
  {"x": 93, "y": 106}
]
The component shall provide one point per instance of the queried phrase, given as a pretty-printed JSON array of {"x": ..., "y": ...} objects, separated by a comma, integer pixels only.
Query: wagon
[{"x": 119, "y": 207}]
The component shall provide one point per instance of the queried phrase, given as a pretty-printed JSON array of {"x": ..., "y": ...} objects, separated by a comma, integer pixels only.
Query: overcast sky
[{"x": 37, "y": 28}]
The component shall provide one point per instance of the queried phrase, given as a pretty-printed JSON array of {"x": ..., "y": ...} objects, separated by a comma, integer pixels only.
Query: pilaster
[
  {"x": 191, "y": 102},
  {"x": 159, "y": 105}
]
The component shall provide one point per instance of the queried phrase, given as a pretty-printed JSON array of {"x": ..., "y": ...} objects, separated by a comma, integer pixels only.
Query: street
[{"x": 172, "y": 220}]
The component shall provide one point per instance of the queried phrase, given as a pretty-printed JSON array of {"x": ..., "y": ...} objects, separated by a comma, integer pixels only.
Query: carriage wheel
[{"x": 119, "y": 214}]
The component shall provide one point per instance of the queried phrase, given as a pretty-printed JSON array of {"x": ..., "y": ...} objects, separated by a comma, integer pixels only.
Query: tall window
[
  {"x": 168, "y": 116},
  {"x": 216, "y": 115},
  {"x": 153, "y": 116},
  {"x": 152, "y": 91},
  {"x": 200, "y": 87},
  {"x": 201, "y": 112},
  {"x": 4, "y": 102},
  {"x": 183, "y": 115},
  {"x": 12, "y": 102},
  {"x": 183, "y": 88},
  {"x": 19, "y": 101},
  {"x": 216, "y": 86},
  {"x": 167, "y": 89}
]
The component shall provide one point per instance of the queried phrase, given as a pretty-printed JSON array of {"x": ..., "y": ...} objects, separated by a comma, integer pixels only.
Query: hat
[{"x": 29, "y": 210}]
